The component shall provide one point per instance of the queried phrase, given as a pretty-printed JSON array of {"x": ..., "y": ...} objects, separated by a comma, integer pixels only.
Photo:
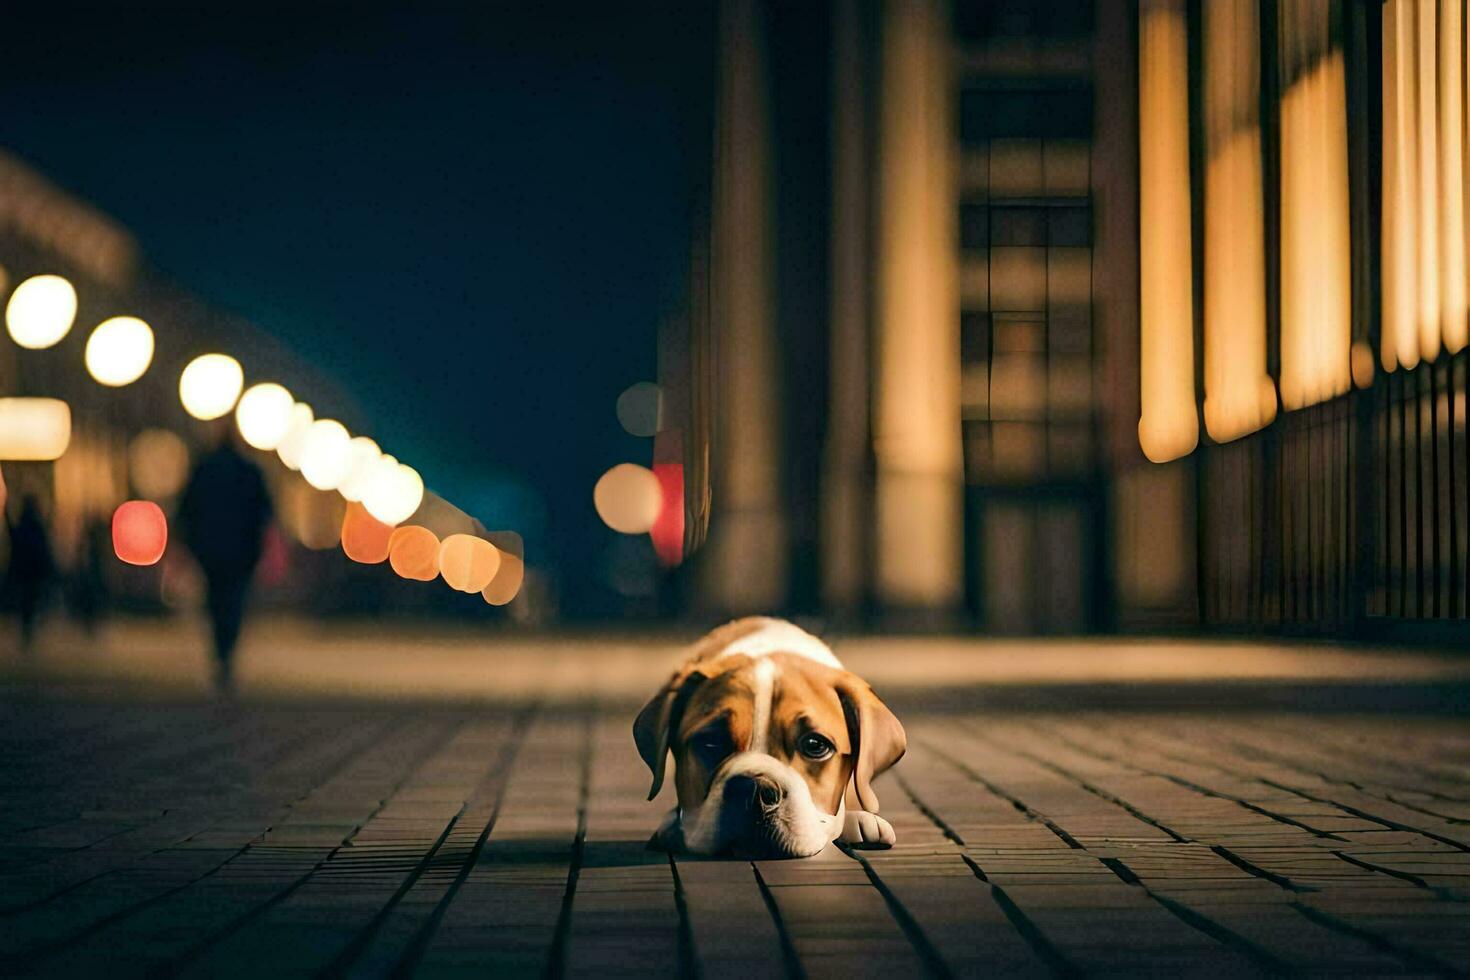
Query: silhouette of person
[
  {"x": 89, "y": 585},
  {"x": 223, "y": 515},
  {"x": 31, "y": 567}
]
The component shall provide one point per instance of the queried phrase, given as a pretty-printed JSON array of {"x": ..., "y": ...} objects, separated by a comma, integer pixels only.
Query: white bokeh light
[
  {"x": 326, "y": 454},
  {"x": 119, "y": 351},
  {"x": 394, "y": 492},
  {"x": 365, "y": 456},
  {"x": 210, "y": 385},
  {"x": 294, "y": 441},
  {"x": 263, "y": 415},
  {"x": 41, "y": 311}
]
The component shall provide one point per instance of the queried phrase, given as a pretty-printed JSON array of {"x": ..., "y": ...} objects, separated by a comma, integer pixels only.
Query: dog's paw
[{"x": 863, "y": 829}]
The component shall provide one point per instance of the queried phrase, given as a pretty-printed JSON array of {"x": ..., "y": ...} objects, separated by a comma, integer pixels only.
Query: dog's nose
[{"x": 754, "y": 792}]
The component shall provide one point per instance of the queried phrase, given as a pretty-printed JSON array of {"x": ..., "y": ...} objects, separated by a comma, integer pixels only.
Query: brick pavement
[{"x": 198, "y": 838}]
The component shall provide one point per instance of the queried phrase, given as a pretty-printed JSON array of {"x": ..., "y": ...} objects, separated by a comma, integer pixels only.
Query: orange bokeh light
[
  {"x": 139, "y": 532},
  {"x": 364, "y": 537},
  {"x": 507, "y": 581},
  {"x": 413, "y": 552},
  {"x": 468, "y": 563}
]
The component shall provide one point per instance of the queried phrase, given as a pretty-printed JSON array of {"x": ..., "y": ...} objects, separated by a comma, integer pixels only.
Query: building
[{"x": 1052, "y": 316}]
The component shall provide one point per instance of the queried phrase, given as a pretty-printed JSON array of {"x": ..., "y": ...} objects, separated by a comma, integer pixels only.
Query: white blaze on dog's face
[{"x": 765, "y": 748}]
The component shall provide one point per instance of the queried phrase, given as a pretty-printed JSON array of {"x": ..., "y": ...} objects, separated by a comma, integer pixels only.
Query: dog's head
[{"x": 764, "y": 750}]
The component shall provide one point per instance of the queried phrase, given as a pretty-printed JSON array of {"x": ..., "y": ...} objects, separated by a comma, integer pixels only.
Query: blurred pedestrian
[
  {"x": 32, "y": 567},
  {"x": 223, "y": 516},
  {"x": 89, "y": 581}
]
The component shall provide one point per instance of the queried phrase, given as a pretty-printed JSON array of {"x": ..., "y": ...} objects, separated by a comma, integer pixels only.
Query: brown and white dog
[{"x": 775, "y": 746}]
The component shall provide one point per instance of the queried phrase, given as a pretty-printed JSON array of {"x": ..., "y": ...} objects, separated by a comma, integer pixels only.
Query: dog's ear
[
  {"x": 878, "y": 740},
  {"x": 655, "y": 724}
]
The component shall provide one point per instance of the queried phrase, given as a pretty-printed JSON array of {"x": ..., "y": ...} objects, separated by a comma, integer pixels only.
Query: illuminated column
[
  {"x": 1425, "y": 55},
  {"x": 1239, "y": 396},
  {"x": 745, "y": 559},
  {"x": 1316, "y": 329},
  {"x": 1168, "y": 426},
  {"x": 846, "y": 526},
  {"x": 1452, "y": 177},
  {"x": 1400, "y": 339},
  {"x": 917, "y": 412}
]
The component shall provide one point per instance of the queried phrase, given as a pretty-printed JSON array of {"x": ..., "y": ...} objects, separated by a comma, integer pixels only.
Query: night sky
[{"x": 472, "y": 219}]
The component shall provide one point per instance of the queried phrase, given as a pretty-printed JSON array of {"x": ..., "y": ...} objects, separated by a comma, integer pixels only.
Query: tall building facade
[{"x": 1041, "y": 316}]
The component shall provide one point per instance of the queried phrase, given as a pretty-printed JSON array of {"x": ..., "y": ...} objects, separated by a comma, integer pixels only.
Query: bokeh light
[
  {"x": 394, "y": 491},
  {"x": 41, "y": 311},
  {"x": 294, "y": 441},
  {"x": 667, "y": 532},
  {"x": 139, "y": 532},
  {"x": 34, "y": 428},
  {"x": 413, "y": 552},
  {"x": 507, "y": 581},
  {"x": 628, "y": 498},
  {"x": 158, "y": 463},
  {"x": 364, "y": 460},
  {"x": 210, "y": 385},
  {"x": 264, "y": 415},
  {"x": 364, "y": 537},
  {"x": 119, "y": 351},
  {"x": 468, "y": 563},
  {"x": 326, "y": 454},
  {"x": 640, "y": 409}
]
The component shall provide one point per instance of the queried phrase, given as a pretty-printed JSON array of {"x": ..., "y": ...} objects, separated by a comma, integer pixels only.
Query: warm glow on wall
[
  {"x": 41, "y": 311},
  {"x": 119, "y": 351},
  {"x": 1168, "y": 426},
  {"x": 413, "y": 552},
  {"x": 1400, "y": 334},
  {"x": 264, "y": 415},
  {"x": 1424, "y": 230},
  {"x": 1316, "y": 325},
  {"x": 139, "y": 532},
  {"x": 34, "y": 428},
  {"x": 364, "y": 537},
  {"x": 210, "y": 385},
  {"x": 468, "y": 563},
  {"x": 628, "y": 498},
  {"x": 1239, "y": 396},
  {"x": 158, "y": 463},
  {"x": 326, "y": 454}
]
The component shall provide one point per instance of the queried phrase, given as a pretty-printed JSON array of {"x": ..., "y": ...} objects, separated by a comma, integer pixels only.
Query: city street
[{"x": 1076, "y": 809}]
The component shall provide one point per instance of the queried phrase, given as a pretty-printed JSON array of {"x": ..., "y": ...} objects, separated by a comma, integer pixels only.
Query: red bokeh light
[
  {"x": 668, "y": 531},
  {"x": 139, "y": 532}
]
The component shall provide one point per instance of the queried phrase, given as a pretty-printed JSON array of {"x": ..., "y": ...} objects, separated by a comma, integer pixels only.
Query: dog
[{"x": 775, "y": 746}]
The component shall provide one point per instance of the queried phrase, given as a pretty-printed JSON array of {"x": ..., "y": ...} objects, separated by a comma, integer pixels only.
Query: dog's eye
[{"x": 815, "y": 747}]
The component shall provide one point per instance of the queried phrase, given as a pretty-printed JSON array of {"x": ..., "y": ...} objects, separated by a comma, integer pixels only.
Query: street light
[
  {"x": 210, "y": 386},
  {"x": 41, "y": 311},
  {"x": 119, "y": 351}
]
